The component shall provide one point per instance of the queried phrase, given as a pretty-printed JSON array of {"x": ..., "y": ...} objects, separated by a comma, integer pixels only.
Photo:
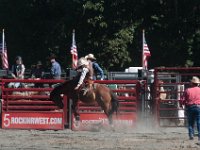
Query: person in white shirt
[{"x": 17, "y": 72}]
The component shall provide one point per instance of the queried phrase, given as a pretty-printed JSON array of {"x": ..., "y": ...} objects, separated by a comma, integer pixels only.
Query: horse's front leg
[{"x": 75, "y": 109}]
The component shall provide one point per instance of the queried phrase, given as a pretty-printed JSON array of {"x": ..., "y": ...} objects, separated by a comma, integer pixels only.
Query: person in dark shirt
[{"x": 38, "y": 73}]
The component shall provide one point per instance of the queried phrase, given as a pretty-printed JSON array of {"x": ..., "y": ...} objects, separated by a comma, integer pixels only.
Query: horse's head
[
  {"x": 55, "y": 96},
  {"x": 66, "y": 88}
]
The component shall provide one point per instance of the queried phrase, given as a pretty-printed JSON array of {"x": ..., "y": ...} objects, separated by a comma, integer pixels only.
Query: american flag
[
  {"x": 74, "y": 51},
  {"x": 146, "y": 53},
  {"x": 3, "y": 51}
]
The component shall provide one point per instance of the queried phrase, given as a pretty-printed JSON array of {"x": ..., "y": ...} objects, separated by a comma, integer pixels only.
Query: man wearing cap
[
  {"x": 97, "y": 69},
  {"x": 38, "y": 73},
  {"x": 192, "y": 102}
]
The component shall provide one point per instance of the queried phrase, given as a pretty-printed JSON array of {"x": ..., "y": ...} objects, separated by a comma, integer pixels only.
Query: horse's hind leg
[
  {"x": 109, "y": 112},
  {"x": 106, "y": 107},
  {"x": 114, "y": 105},
  {"x": 110, "y": 119}
]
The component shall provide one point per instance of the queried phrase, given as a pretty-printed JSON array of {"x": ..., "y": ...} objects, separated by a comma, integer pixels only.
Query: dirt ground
[{"x": 104, "y": 139}]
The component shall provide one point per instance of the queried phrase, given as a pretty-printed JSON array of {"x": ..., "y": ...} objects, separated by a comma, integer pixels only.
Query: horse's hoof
[
  {"x": 77, "y": 118},
  {"x": 112, "y": 127}
]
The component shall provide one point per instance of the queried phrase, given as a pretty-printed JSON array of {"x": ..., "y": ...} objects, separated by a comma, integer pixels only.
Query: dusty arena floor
[{"x": 143, "y": 139}]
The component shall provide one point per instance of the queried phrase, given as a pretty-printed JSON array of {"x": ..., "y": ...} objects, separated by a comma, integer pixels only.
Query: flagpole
[
  {"x": 3, "y": 39},
  {"x": 2, "y": 57},
  {"x": 143, "y": 48},
  {"x": 74, "y": 51},
  {"x": 73, "y": 34}
]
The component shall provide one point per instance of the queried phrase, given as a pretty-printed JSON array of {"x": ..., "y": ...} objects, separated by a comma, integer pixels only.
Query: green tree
[{"x": 111, "y": 30}]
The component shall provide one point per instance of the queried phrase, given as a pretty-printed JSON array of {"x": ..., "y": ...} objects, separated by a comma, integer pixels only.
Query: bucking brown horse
[{"x": 96, "y": 93}]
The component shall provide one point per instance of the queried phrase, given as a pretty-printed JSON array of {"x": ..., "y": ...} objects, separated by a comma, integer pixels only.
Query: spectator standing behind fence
[
  {"x": 17, "y": 72},
  {"x": 162, "y": 94},
  {"x": 192, "y": 102},
  {"x": 55, "y": 68},
  {"x": 38, "y": 73},
  {"x": 97, "y": 69}
]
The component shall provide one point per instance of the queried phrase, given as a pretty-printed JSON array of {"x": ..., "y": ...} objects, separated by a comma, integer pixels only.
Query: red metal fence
[
  {"x": 28, "y": 107},
  {"x": 169, "y": 85}
]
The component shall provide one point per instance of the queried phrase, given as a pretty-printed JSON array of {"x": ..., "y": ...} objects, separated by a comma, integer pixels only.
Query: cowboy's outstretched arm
[{"x": 83, "y": 74}]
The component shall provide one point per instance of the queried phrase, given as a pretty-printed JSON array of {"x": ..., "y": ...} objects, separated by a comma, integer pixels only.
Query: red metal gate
[
  {"x": 91, "y": 116},
  {"x": 169, "y": 85},
  {"x": 29, "y": 107}
]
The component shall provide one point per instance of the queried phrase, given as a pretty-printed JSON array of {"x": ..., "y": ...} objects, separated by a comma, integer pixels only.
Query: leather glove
[{"x": 77, "y": 87}]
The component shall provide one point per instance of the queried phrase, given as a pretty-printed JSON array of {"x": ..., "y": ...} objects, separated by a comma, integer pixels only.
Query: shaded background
[{"x": 111, "y": 30}]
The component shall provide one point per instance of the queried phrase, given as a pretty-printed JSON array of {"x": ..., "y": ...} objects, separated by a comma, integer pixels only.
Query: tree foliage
[{"x": 111, "y": 30}]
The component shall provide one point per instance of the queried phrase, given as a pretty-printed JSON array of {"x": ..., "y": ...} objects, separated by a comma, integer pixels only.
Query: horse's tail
[
  {"x": 55, "y": 96},
  {"x": 115, "y": 103}
]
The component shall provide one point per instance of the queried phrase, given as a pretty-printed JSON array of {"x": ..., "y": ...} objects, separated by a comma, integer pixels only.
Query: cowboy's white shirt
[{"x": 83, "y": 74}]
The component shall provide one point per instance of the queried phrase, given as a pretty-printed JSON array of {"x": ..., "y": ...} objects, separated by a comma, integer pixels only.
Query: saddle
[
  {"x": 87, "y": 86},
  {"x": 87, "y": 91}
]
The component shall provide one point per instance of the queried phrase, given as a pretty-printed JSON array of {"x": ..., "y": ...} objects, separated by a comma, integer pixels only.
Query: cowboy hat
[
  {"x": 90, "y": 56},
  {"x": 82, "y": 61},
  {"x": 195, "y": 80}
]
